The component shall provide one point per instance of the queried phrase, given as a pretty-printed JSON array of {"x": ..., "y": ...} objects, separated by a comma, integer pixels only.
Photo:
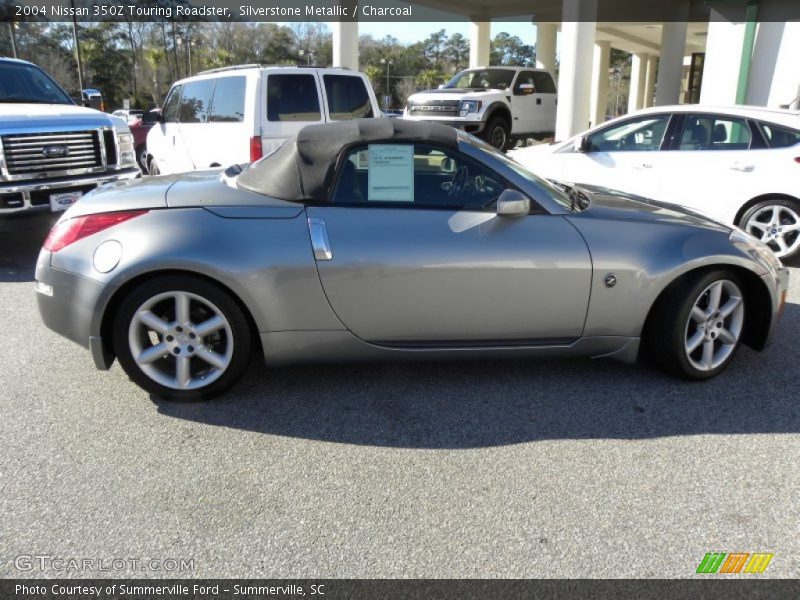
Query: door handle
[
  {"x": 646, "y": 166},
  {"x": 737, "y": 166},
  {"x": 538, "y": 101},
  {"x": 319, "y": 239}
]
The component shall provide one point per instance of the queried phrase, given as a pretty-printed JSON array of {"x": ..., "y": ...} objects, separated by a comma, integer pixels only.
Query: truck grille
[
  {"x": 438, "y": 108},
  {"x": 29, "y": 153}
]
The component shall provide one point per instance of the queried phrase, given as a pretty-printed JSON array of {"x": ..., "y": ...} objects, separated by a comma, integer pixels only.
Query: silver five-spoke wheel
[
  {"x": 778, "y": 226},
  {"x": 714, "y": 325},
  {"x": 181, "y": 340}
]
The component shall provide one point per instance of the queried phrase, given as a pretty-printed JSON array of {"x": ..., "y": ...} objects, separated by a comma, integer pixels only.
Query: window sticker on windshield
[{"x": 391, "y": 173}]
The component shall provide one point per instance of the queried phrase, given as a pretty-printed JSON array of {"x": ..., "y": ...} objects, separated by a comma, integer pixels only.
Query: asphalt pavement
[{"x": 505, "y": 469}]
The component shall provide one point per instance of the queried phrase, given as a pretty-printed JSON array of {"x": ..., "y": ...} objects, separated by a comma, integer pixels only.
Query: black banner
[
  {"x": 542, "y": 11},
  {"x": 356, "y": 589}
]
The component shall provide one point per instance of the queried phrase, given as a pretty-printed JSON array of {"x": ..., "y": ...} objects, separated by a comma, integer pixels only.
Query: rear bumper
[
  {"x": 33, "y": 196},
  {"x": 67, "y": 304}
]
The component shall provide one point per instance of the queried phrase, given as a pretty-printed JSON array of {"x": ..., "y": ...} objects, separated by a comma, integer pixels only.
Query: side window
[
  {"x": 713, "y": 132},
  {"x": 195, "y": 100},
  {"x": 415, "y": 176},
  {"x": 228, "y": 103},
  {"x": 170, "y": 109},
  {"x": 347, "y": 97},
  {"x": 779, "y": 137},
  {"x": 543, "y": 82},
  {"x": 292, "y": 98},
  {"x": 525, "y": 78},
  {"x": 640, "y": 134}
]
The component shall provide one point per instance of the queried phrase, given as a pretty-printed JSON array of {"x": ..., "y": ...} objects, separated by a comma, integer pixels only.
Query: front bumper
[
  {"x": 778, "y": 284},
  {"x": 68, "y": 305},
  {"x": 473, "y": 127},
  {"x": 34, "y": 196}
]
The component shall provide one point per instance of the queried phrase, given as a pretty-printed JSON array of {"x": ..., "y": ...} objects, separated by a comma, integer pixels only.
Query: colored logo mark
[{"x": 734, "y": 562}]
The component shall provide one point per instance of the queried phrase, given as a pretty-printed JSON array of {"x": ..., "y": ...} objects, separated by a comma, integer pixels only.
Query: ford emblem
[{"x": 55, "y": 151}]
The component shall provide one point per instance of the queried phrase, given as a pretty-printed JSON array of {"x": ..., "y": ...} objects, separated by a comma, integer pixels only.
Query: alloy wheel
[
  {"x": 181, "y": 340},
  {"x": 498, "y": 137},
  {"x": 778, "y": 227},
  {"x": 714, "y": 325}
]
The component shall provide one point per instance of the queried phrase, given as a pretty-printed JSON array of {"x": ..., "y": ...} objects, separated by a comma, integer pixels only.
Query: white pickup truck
[
  {"x": 52, "y": 151},
  {"x": 498, "y": 104}
]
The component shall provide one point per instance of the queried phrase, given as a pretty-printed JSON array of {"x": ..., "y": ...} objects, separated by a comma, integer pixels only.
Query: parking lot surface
[{"x": 504, "y": 469}]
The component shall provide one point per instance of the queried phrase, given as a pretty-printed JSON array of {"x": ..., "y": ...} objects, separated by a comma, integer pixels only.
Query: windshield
[
  {"x": 21, "y": 83},
  {"x": 546, "y": 187},
  {"x": 482, "y": 79}
]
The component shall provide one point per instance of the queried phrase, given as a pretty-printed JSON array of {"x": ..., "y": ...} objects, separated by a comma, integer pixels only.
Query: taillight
[
  {"x": 255, "y": 148},
  {"x": 66, "y": 232}
]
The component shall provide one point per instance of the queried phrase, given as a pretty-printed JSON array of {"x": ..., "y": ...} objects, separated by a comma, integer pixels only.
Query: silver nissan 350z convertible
[{"x": 384, "y": 239}]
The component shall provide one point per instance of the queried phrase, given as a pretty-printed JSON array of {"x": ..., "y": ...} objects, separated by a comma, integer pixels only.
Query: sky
[{"x": 409, "y": 33}]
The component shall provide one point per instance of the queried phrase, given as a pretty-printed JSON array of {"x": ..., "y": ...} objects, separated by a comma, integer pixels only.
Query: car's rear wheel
[
  {"x": 697, "y": 325},
  {"x": 152, "y": 167},
  {"x": 182, "y": 338},
  {"x": 497, "y": 132},
  {"x": 775, "y": 222},
  {"x": 141, "y": 157}
]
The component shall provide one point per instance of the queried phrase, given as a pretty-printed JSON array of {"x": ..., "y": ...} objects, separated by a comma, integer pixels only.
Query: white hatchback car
[
  {"x": 235, "y": 115},
  {"x": 739, "y": 165}
]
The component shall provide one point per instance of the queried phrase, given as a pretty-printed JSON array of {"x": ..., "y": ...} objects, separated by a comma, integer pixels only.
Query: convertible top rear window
[{"x": 303, "y": 168}]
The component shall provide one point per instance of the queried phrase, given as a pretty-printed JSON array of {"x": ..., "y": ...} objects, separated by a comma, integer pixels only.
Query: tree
[{"x": 509, "y": 50}]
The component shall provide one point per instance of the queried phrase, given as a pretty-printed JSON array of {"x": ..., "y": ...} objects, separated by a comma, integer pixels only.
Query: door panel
[{"x": 421, "y": 275}]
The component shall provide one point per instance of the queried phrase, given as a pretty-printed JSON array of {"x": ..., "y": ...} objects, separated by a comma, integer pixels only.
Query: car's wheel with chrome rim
[
  {"x": 182, "y": 338},
  {"x": 696, "y": 325},
  {"x": 775, "y": 222}
]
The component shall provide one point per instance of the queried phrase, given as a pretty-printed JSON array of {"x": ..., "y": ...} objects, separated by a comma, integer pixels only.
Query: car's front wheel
[
  {"x": 697, "y": 325},
  {"x": 775, "y": 222},
  {"x": 182, "y": 338},
  {"x": 497, "y": 133}
]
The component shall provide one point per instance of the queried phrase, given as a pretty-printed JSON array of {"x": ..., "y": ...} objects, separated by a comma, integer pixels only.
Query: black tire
[
  {"x": 239, "y": 328},
  {"x": 790, "y": 216},
  {"x": 141, "y": 158},
  {"x": 497, "y": 133},
  {"x": 668, "y": 326},
  {"x": 152, "y": 168}
]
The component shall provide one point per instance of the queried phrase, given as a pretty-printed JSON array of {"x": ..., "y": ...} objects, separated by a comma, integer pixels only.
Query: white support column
[
  {"x": 575, "y": 78},
  {"x": 345, "y": 44},
  {"x": 546, "y": 47},
  {"x": 650, "y": 81},
  {"x": 479, "y": 44},
  {"x": 638, "y": 74},
  {"x": 599, "y": 98},
  {"x": 723, "y": 57},
  {"x": 670, "y": 66}
]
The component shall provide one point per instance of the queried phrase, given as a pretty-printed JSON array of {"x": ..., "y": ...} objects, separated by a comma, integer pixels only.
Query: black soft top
[{"x": 302, "y": 169}]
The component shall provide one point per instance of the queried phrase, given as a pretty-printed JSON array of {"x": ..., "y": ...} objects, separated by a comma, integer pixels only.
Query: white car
[
  {"x": 497, "y": 104},
  {"x": 739, "y": 165},
  {"x": 236, "y": 115}
]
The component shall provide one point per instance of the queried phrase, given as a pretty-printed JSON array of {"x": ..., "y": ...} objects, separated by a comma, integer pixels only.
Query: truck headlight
[
  {"x": 127, "y": 153},
  {"x": 469, "y": 106}
]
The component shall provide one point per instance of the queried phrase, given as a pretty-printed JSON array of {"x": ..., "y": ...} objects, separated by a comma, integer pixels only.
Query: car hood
[
  {"x": 449, "y": 93},
  {"x": 616, "y": 205},
  {"x": 24, "y": 116}
]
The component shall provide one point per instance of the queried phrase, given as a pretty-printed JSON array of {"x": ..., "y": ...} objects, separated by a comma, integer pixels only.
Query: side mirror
[
  {"x": 512, "y": 203},
  {"x": 582, "y": 144},
  {"x": 525, "y": 89},
  {"x": 441, "y": 86}
]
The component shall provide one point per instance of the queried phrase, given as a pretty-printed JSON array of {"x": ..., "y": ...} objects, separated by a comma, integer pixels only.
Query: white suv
[
  {"x": 498, "y": 104},
  {"x": 235, "y": 115}
]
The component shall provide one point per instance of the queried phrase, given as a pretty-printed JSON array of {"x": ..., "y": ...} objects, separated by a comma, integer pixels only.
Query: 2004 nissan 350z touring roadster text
[{"x": 386, "y": 239}]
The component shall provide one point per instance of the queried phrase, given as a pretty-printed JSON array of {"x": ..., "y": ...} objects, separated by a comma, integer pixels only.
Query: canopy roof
[{"x": 302, "y": 169}]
